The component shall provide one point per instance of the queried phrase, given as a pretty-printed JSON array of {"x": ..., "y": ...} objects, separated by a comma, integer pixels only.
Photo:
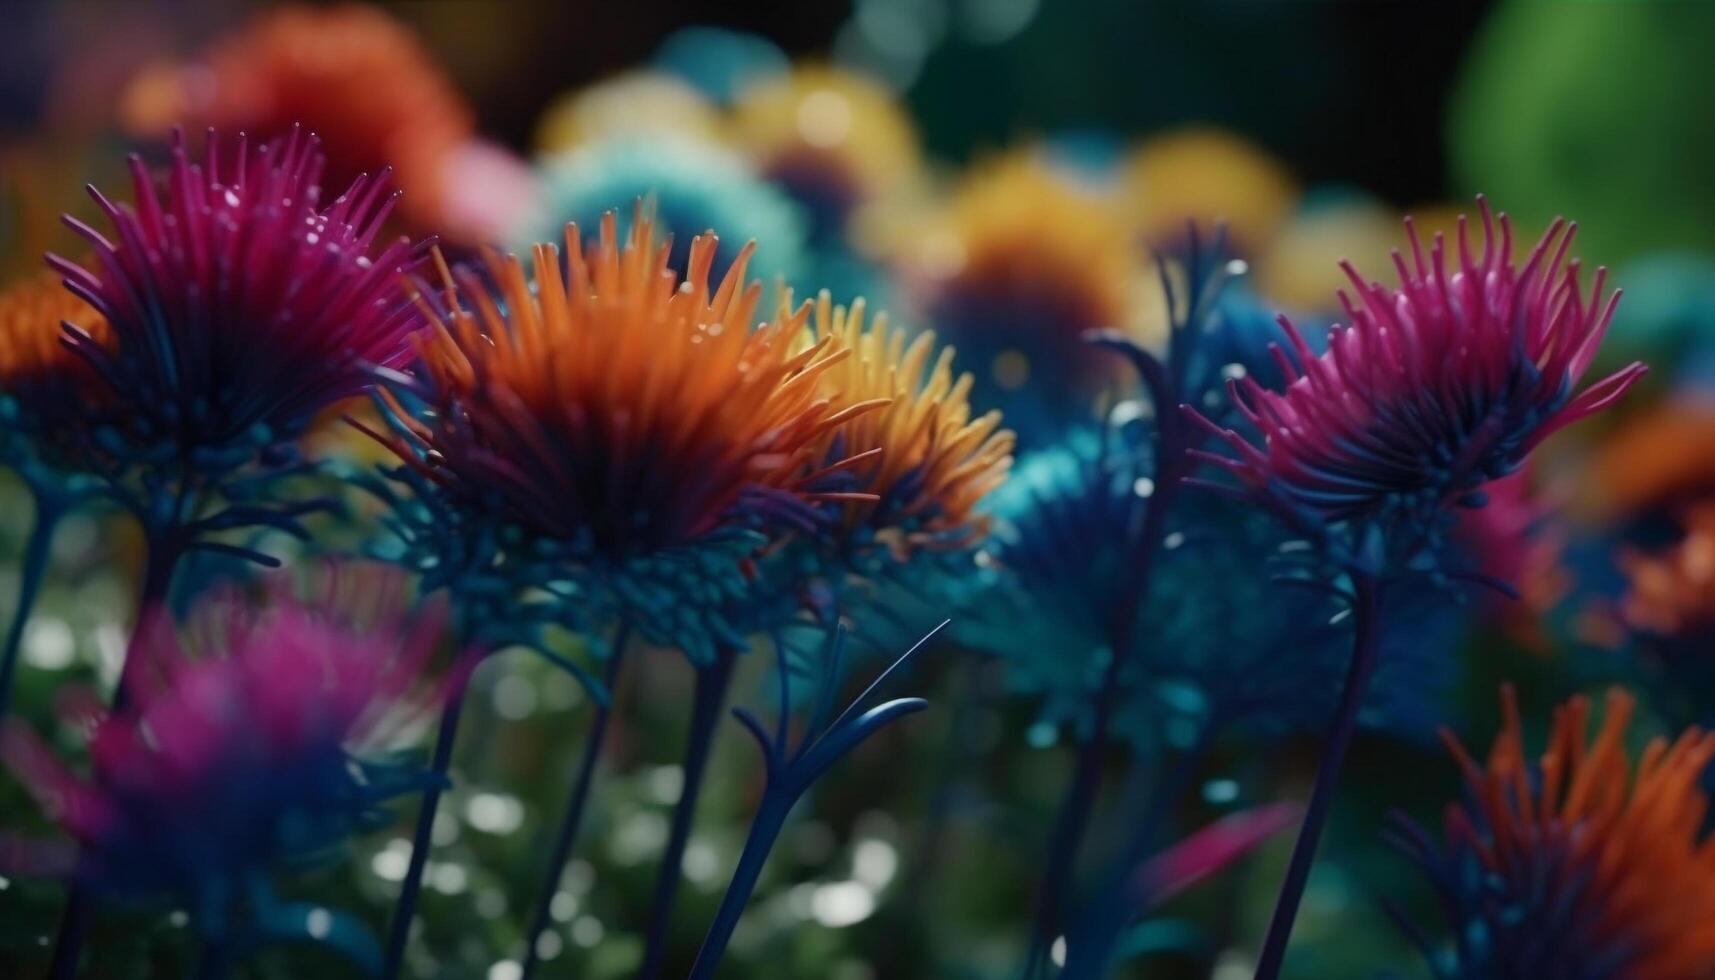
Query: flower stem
[
  {"x": 1366, "y": 647},
  {"x": 215, "y": 962},
  {"x": 31, "y": 572},
  {"x": 162, "y": 559},
  {"x": 770, "y": 818},
  {"x": 712, "y": 684},
  {"x": 405, "y": 911},
  {"x": 574, "y": 809},
  {"x": 158, "y": 567},
  {"x": 1073, "y": 821}
]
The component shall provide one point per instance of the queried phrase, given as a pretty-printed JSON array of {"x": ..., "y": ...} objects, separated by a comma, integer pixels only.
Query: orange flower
[
  {"x": 1586, "y": 858},
  {"x": 45, "y": 388},
  {"x": 1672, "y": 594},
  {"x": 922, "y": 455},
  {"x": 351, "y": 74},
  {"x": 612, "y": 402}
]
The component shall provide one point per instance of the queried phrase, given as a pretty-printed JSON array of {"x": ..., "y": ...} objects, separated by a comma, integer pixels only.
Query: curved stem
[
  {"x": 712, "y": 684},
  {"x": 405, "y": 910},
  {"x": 1366, "y": 646},
  {"x": 763, "y": 832},
  {"x": 30, "y": 575},
  {"x": 574, "y": 810}
]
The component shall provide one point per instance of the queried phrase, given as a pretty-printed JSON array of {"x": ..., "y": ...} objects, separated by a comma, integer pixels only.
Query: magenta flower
[
  {"x": 263, "y": 744},
  {"x": 240, "y": 305},
  {"x": 1436, "y": 387}
]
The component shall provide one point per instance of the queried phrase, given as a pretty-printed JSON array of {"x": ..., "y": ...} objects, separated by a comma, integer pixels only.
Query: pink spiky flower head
[
  {"x": 1436, "y": 387},
  {"x": 239, "y": 303},
  {"x": 259, "y": 746}
]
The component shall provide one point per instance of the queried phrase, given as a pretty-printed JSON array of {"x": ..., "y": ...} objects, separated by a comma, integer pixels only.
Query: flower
[
  {"x": 351, "y": 73},
  {"x": 695, "y": 187},
  {"x": 48, "y": 395},
  {"x": 639, "y": 101},
  {"x": 1206, "y": 175},
  {"x": 1668, "y": 612},
  {"x": 1221, "y": 646},
  {"x": 833, "y": 139},
  {"x": 238, "y": 305},
  {"x": 924, "y": 460},
  {"x": 625, "y": 418},
  {"x": 1585, "y": 864},
  {"x": 1654, "y": 462},
  {"x": 1672, "y": 594},
  {"x": 1024, "y": 263},
  {"x": 260, "y": 740},
  {"x": 1434, "y": 389}
]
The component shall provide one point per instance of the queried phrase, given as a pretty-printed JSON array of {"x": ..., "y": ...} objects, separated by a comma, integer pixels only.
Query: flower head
[
  {"x": 1029, "y": 261},
  {"x": 260, "y": 741},
  {"x": 1435, "y": 388},
  {"x": 625, "y": 416},
  {"x": 1668, "y": 612},
  {"x": 1582, "y": 865},
  {"x": 927, "y": 462},
  {"x": 1206, "y": 175},
  {"x": 694, "y": 186},
  {"x": 1219, "y": 647},
  {"x": 833, "y": 139},
  {"x": 239, "y": 304},
  {"x": 48, "y": 395},
  {"x": 1654, "y": 462},
  {"x": 351, "y": 73}
]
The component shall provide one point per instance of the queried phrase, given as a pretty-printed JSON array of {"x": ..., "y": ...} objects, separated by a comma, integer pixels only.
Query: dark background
[{"x": 1345, "y": 92}]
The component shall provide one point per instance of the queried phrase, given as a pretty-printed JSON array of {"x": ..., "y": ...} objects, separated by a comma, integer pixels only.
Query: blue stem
[
  {"x": 405, "y": 911},
  {"x": 574, "y": 810},
  {"x": 764, "y": 830},
  {"x": 1073, "y": 821},
  {"x": 1105, "y": 917},
  {"x": 215, "y": 962},
  {"x": 1366, "y": 645},
  {"x": 712, "y": 684},
  {"x": 33, "y": 569}
]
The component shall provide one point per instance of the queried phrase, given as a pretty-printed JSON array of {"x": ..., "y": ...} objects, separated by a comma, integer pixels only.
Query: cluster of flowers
[{"x": 612, "y": 440}]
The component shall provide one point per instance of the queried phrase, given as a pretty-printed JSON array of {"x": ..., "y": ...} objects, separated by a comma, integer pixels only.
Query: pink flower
[
  {"x": 260, "y": 746},
  {"x": 1436, "y": 387}
]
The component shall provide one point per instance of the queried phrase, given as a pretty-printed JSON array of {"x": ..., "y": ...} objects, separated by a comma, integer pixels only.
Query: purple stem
[
  {"x": 405, "y": 911},
  {"x": 1366, "y": 647},
  {"x": 1073, "y": 822},
  {"x": 712, "y": 684},
  {"x": 574, "y": 809}
]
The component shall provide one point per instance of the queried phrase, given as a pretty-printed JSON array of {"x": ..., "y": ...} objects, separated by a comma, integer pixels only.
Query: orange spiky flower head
[
  {"x": 1584, "y": 864},
  {"x": 921, "y": 454},
  {"x": 641, "y": 427},
  {"x": 49, "y": 396}
]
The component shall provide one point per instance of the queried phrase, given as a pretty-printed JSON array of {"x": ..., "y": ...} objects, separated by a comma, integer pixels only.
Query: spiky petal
[
  {"x": 1437, "y": 386},
  {"x": 1584, "y": 864},
  {"x": 251, "y": 749},
  {"x": 920, "y": 452},
  {"x": 239, "y": 303}
]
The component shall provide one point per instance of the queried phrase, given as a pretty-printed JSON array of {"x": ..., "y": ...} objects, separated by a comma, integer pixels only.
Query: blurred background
[{"x": 869, "y": 147}]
